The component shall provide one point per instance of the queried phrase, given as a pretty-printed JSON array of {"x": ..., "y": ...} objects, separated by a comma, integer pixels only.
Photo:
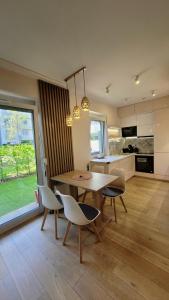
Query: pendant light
[
  {"x": 76, "y": 109},
  {"x": 69, "y": 119},
  {"x": 85, "y": 104}
]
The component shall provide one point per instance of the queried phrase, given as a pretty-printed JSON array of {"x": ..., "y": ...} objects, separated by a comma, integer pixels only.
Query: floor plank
[{"x": 131, "y": 263}]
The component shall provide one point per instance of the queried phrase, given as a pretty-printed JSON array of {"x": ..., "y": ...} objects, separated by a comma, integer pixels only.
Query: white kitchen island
[{"x": 106, "y": 164}]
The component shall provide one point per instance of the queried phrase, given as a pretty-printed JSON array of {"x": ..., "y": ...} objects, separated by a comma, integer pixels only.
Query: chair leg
[
  {"x": 111, "y": 202},
  {"x": 56, "y": 221},
  {"x": 114, "y": 210},
  {"x": 122, "y": 201},
  {"x": 96, "y": 232},
  {"x": 44, "y": 218},
  {"x": 80, "y": 244},
  {"x": 84, "y": 197},
  {"x": 66, "y": 233}
]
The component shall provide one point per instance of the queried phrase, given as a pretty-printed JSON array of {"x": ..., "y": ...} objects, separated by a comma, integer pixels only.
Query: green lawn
[{"x": 17, "y": 193}]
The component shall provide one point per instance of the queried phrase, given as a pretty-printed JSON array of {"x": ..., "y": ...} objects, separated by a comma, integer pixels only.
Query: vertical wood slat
[{"x": 57, "y": 136}]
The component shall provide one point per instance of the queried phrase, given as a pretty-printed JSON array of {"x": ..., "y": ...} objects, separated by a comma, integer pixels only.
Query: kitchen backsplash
[{"x": 145, "y": 145}]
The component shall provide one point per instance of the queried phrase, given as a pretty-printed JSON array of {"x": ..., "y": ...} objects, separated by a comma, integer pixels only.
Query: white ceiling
[{"x": 114, "y": 39}]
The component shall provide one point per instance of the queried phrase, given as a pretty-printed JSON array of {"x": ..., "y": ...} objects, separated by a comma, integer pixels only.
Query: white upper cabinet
[
  {"x": 128, "y": 121},
  {"x": 144, "y": 107},
  {"x": 145, "y": 119},
  {"x": 145, "y": 124},
  {"x": 145, "y": 130},
  {"x": 161, "y": 130}
]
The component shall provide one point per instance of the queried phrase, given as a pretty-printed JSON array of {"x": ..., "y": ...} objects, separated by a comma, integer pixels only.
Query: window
[{"x": 97, "y": 136}]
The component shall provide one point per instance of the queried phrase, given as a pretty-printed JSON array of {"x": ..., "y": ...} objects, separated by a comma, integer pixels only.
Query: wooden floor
[{"x": 131, "y": 263}]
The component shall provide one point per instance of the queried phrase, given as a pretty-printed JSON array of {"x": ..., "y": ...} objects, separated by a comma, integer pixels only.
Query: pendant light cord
[
  {"x": 84, "y": 84},
  {"x": 75, "y": 89}
]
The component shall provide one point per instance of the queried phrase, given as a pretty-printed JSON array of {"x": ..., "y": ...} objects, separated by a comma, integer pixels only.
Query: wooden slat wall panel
[{"x": 57, "y": 136}]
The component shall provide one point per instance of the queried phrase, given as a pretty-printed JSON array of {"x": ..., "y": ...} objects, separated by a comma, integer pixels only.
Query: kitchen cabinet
[
  {"x": 128, "y": 165},
  {"x": 161, "y": 143},
  {"x": 128, "y": 121},
  {"x": 161, "y": 164},
  {"x": 145, "y": 124},
  {"x": 145, "y": 130},
  {"x": 114, "y": 162},
  {"x": 144, "y": 107},
  {"x": 161, "y": 126},
  {"x": 145, "y": 119}
]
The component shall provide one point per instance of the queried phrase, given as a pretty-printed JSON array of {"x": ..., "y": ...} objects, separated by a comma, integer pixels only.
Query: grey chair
[
  {"x": 79, "y": 214},
  {"x": 116, "y": 189}
]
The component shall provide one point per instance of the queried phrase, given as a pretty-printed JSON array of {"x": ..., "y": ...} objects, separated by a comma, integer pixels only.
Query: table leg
[
  {"x": 73, "y": 191},
  {"x": 99, "y": 203}
]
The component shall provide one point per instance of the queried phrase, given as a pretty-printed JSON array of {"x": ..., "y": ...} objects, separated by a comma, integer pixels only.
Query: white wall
[
  {"x": 18, "y": 84},
  {"x": 81, "y": 130},
  {"x": 109, "y": 111}
]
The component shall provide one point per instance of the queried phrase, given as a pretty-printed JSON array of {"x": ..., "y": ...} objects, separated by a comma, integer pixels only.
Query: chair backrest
[
  {"x": 72, "y": 210},
  {"x": 120, "y": 181},
  {"x": 49, "y": 199}
]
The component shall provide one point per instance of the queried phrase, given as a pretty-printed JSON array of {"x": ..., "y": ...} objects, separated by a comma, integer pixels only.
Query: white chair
[
  {"x": 116, "y": 189},
  {"x": 79, "y": 214},
  {"x": 50, "y": 202}
]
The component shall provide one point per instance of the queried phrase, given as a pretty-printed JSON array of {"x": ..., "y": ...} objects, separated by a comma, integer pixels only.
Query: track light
[
  {"x": 154, "y": 93},
  {"x": 108, "y": 89},
  {"x": 137, "y": 79}
]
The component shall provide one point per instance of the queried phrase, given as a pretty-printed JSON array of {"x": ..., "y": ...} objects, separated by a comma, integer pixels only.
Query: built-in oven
[{"x": 144, "y": 163}]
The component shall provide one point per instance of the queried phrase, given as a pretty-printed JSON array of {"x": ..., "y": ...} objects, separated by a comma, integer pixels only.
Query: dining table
[{"x": 90, "y": 182}]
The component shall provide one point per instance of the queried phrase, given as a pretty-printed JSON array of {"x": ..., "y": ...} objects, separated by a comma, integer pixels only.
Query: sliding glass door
[{"x": 18, "y": 172}]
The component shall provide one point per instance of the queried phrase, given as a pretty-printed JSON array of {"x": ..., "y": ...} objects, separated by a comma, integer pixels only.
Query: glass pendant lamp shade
[
  {"x": 85, "y": 104},
  {"x": 76, "y": 112},
  {"x": 69, "y": 120}
]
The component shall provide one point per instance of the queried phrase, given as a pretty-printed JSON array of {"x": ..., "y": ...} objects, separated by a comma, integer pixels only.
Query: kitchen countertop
[
  {"x": 145, "y": 154},
  {"x": 112, "y": 158}
]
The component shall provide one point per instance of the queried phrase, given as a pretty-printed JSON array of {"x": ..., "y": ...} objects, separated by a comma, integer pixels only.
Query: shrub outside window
[{"x": 97, "y": 136}]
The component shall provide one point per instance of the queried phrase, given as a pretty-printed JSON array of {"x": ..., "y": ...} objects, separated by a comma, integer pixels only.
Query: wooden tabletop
[{"x": 97, "y": 181}]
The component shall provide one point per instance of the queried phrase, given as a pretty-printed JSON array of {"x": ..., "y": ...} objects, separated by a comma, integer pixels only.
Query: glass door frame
[{"x": 9, "y": 224}]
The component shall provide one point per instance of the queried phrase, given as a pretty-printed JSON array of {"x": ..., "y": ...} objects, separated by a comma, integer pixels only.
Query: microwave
[{"x": 129, "y": 131}]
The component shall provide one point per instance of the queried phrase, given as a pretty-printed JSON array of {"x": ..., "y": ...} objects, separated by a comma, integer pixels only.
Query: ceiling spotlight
[
  {"x": 153, "y": 93},
  {"x": 108, "y": 89},
  {"x": 137, "y": 79}
]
